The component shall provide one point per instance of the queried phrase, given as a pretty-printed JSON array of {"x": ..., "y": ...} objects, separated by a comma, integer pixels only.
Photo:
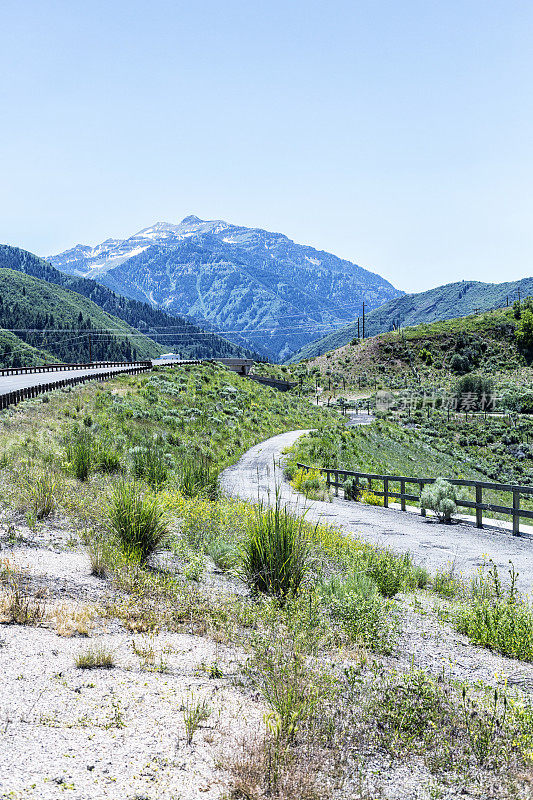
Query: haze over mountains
[
  {"x": 258, "y": 287},
  {"x": 444, "y": 302}
]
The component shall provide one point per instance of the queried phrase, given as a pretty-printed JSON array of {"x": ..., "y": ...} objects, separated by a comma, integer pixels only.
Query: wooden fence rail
[{"x": 338, "y": 477}]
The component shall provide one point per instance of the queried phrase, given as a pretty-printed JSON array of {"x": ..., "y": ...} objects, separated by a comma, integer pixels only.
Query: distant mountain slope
[
  {"x": 256, "y": 286},
  {"x": 443, "y": 302},
  {"x": 70, "y": 327},
  {"x": 173, "y": 333}
]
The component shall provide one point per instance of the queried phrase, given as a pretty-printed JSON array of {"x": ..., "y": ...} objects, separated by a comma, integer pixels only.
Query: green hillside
[
  {"x": 50, "y": 318},
  {"x": 444, "y": 302},
  {"x": 172, "y": 332},
  {"x": 431, "y": 358}
]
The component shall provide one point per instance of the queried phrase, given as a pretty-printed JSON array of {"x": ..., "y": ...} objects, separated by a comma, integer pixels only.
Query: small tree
[
  {"x": 441, "y": 498},
  {"x": 524, "y": 331}
]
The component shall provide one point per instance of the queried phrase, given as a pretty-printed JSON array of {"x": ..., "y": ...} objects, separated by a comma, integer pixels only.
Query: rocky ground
[{"x": 119, "y": 732}]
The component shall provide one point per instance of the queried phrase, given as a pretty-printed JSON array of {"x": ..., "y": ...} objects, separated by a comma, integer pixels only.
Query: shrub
[
  {"x": 311, "y": 483},
  {"x": 195, "y": 568},
  {"x": 473, "y": 392},
  {"x": 372, "y": 499},
  {"x": 390, "y": 572},
  {"x": 524, "y": 331},
  {"x": 367, "y": 618},
  {"x": 497, "y": 617},
  {"x": 276, "y": 551},
  {"x": 500, "y": 624},
  {"x": 352, "y": 489},
  {"x": 441, "y": 497},
  {"x": 137, "y": 521}
]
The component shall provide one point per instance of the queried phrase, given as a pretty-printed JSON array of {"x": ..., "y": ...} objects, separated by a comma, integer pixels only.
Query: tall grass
[
  {"x": 150, "y": 463},
  {"x": 136, "y": 519},
  {"x": 197, "y": 479},
  {"x": 41, "y": 492},
  {"x": 79, "y": 453},
  {"x": 276, "y": 552}
]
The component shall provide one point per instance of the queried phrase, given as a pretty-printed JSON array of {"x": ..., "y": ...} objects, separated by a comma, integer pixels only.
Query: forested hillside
[
  {"x": 64, "y": 324},
  {"x": 173, "y": 333}
]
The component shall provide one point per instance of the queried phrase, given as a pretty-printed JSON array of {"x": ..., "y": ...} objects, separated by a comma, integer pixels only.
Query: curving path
[{"x": 257, "y": 476}]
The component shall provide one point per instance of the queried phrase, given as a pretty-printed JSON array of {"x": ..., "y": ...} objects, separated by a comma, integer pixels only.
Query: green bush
[
  {"x": 441, "y": 497},
  {"x": 500, "y": 624},
  {"x": 137, "y": 521},
  {"x": 276, "y": 551},
  {"x": 497, "y": 617},
  {"x": 390, "y": 572},
  {"x": 473, "y": 392},
  {"x": 364, "y": 614}
]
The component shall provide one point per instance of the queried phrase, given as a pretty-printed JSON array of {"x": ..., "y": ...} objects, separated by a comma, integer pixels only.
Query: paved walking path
[{"x": 257, "y": 475}]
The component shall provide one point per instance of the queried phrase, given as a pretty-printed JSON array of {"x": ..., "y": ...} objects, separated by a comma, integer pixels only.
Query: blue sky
[{"x": 395, "y": 134}]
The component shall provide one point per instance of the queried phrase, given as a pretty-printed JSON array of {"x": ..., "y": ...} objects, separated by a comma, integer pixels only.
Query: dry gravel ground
[
  {"x": 119, "y": 733},
  {"x": 257, "y": 475}
]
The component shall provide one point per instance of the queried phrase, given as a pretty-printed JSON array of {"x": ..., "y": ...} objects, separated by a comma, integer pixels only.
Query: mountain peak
[{"x": 191, "y": 219}]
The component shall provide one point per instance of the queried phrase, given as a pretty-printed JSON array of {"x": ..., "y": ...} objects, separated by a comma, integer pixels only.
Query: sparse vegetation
[{"x": 95, "y": 658}]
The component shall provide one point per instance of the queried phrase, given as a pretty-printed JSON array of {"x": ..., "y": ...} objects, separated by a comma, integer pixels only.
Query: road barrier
[
  {"x": 117, "y": 368},
  {"x": 337, "y": 478}
]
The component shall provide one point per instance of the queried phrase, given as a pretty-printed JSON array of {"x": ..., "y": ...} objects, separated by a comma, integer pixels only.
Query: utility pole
[
  {"x": 90, "y": 349},
  {"x": 363, "y": 319},
  {"x": 358, "y": 328}
]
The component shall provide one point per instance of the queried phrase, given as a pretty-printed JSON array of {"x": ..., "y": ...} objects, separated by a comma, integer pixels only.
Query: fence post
[
  {"x": 336, "y": 483},
  {"x": 479, "y": 512},
  {"x": 422, "y": 510},
  {"x": 386, "y": 492},
  {"x": 516, "y": 512},
  {"x": 402, "y": 492}
]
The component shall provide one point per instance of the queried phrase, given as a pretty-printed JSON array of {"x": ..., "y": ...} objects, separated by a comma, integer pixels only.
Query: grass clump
[
  {"x": 197, "y": 479},
  {"x": 151, "y": 464},
  {"x": 276, "y": 552},
  {"x": 41, "y": 492},
  {"x": 79, "y": 452},
  {"x": 365, "y": 616},
  {"x": 95, "y": 658},
  {"x": 195, "y": 711},
  {"x": 137, "y": 521}
]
